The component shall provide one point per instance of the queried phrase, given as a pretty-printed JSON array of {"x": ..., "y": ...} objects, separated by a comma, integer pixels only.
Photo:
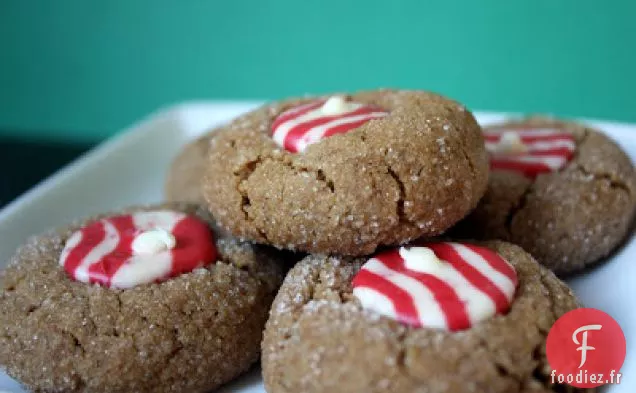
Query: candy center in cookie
[
  {"x": 299, "y": 127},
  {"x": 128, "y": 250},
  {"x": 529, "y": 151},
  {"x": 448, "y": 286}
]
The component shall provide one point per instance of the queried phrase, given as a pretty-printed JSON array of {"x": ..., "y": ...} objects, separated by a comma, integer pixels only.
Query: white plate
[{"x": 130, "y": 168}]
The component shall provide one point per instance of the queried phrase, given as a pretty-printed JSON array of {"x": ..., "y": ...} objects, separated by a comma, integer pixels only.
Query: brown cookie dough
[
  {"x": 566, "y": 219},
  {"x": 319, "y": 339},
  {"x": 183, "y": 183},
  {"x": 415, "y": 172},
  {"x": 190, "y": 333}
]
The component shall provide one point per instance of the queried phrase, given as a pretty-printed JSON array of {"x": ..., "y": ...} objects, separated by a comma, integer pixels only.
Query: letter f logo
[{"x": 583, "y": 344}]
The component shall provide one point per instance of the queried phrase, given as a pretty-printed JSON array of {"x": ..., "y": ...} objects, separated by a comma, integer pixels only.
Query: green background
[{"x": 81, "y": 70}]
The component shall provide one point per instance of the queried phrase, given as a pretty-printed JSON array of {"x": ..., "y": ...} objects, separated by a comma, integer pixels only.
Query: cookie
[
  {"x": 147, "y": 300},
  {"x": 564, "y": 192},
  {"x": 388, "y": 323},
  {"x": 345, "y": 174},
  {"x": 183, "y": 182}
]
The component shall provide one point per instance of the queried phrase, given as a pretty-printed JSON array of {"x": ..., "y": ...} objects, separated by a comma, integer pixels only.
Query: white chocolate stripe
[
  {"x": 477, "y": 303},
  {"x": 429, "y": 311},
  {"x": 316, "y": 133},
  {"x": 377, "y": 301},
  {"x": 143, "y": 269},
  {"x": 106, "y": 246},
  {"x": 553, "y": 162},
  {"x": 530, "y": 133},
  {"x": 70, "y": 245},
  {"x": 283, "y": 129},
  {"x": 499, "y": 279},
  {"x": 539, "y": 145}
]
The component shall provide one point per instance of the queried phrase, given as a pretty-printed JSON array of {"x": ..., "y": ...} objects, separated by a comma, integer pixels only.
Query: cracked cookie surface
[
  {"x": 190, "y": 333},
  {"x": 319, "y": 339},
  {"x": 566, "y": 219},
  {"x": 414, "y": 172}
]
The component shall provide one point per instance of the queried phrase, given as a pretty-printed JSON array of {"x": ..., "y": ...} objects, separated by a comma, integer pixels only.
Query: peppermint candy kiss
[
  {"x": 448, "y": 286},
  {"x": 133, "y": 249},
  {"x": 529, "y": 151},
  {"x": 299, "y": 127}
]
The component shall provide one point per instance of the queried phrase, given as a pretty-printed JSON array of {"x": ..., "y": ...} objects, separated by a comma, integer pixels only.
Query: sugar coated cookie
[
  {"x": 564, "y": 192},
  {"x": 146, "y": 300},
  {"x": 429, "y": 317},
  {"x": 346, "y": 173}
]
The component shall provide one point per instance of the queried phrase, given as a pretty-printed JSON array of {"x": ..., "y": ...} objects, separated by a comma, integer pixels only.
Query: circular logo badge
[{"x": 586, "y": 348}]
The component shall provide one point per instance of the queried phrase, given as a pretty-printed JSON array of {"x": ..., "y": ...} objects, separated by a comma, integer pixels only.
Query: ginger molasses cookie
[
  {"x": 147, "y": 300},
  {"x": 183, "y": 183},
  {"x": 564, "y": 192},
  {"x": 346, "y": 173},
  {"x": 430, "y": 317}
]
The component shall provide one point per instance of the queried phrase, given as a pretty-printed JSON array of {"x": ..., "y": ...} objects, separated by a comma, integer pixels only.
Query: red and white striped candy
[
  {"x": 530, "y": 151},
  {"x": 448, "y": 286},
  {"x": 299, "y": 127},
  {"x": 128, "y": 250}
]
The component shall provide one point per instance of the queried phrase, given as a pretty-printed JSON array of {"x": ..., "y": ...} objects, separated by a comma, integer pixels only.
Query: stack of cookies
[{"x": 412, "y": 236}]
